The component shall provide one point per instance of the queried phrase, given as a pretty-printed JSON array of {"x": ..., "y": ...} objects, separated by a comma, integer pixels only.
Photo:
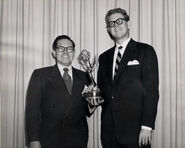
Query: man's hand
[
  {"x": 92, "y": 95},
  {"x": 145, "y": 137},
  {"x": 35, "y": 144},
  {"x": 94, "y": 102}
]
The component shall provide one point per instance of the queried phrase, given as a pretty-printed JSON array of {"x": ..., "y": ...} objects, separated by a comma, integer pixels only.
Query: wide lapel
[
  {"x": 61, "y": 89},
  {"x": 57, "y": 79},
  {"x": 129, "y": 54},
  {"x": 76, "y": 81},
  {"x": 110, "y": 62},
  {"x": 75, "y": 90}
]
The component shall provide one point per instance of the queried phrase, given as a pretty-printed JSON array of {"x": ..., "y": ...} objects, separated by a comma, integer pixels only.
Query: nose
[
  {"x": 116, "y": 26},
  {"x": 65, "y": 51}
]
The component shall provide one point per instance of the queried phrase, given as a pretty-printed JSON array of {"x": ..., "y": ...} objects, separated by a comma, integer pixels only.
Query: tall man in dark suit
[
  {"x": 55, "y": 110},
  {"x": 128, "y": 79}
]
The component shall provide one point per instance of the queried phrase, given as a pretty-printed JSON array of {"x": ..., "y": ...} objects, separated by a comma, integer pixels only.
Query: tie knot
[
  {"x": 120, "y": 47},
  {"x": 66, "y": 69}
]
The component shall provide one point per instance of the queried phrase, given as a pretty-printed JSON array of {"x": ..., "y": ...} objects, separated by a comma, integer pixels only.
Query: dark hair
[
  {"x": 116, "y": 10},
  {"x": 60, "y": 37}
]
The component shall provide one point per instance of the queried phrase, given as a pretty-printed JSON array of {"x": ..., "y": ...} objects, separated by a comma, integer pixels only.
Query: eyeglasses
[
  {"x": 119, "y": 21},
  {"x": 62, "y": 49}
]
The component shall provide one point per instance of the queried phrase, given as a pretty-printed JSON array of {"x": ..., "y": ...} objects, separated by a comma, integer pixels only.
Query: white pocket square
[{"x": 134, "y": 62}]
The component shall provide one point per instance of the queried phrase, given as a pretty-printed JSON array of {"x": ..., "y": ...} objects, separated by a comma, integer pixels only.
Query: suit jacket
[
  {"x": 53, "y": 116},
  {"x": 131, "y": 98}
]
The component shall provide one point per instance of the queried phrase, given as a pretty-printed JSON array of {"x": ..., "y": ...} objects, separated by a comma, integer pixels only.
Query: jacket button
[{"x": 112, "y": 97}]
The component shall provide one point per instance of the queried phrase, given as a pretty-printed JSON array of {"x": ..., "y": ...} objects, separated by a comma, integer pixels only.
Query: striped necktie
[
  {"x": 67, "y": 79},
  {"x": 118, "y": 60}
]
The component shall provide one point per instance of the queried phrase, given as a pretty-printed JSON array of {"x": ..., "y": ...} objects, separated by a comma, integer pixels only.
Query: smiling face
[
  {"x": 119, "y": 32},
  {"x": 64, "y": 57}
]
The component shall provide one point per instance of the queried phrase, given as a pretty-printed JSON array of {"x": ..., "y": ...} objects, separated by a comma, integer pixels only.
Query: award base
[{"x": 94, "y": 97}]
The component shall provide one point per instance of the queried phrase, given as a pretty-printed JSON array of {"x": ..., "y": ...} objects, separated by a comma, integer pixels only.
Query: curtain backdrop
[{"x": 28, "y": 28}]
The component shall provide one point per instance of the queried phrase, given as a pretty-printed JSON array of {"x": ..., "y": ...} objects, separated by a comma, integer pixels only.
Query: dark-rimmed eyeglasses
[
  {"x": 63, "y": 49},
  {"x": 119, "y": 21}
]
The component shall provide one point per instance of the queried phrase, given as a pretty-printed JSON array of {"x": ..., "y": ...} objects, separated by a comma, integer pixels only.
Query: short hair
[
  {"x": 60, "y": 37},
  {"x": 116, "y": 10}
]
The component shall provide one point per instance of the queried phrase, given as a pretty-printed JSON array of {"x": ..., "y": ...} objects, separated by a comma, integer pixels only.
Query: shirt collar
[
  {"x": 124, "y": 44},
  {"x": 61, "y": 67}
]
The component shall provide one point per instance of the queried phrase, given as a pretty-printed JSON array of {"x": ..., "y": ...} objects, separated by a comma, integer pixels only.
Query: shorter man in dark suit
[
  {"x": 128, "y": 80},
  {"x": 55, "y": 110}
]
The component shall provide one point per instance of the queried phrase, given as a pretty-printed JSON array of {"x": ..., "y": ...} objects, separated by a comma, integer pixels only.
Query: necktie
[
  {"x": 67, "y": 79},
  {"x": 118, "y": 59}
]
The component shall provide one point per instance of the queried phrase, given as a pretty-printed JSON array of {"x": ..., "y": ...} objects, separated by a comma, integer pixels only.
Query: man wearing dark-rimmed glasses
[
  {"x": 128, "y": 80},
  {"x": 55, "y": 110}
]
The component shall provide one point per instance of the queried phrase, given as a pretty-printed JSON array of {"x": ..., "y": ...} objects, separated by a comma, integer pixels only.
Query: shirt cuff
[{"x": 146, "y": 128}]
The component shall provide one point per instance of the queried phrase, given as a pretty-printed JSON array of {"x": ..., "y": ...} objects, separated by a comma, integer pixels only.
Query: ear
[
  {"x": 129, "y": 24},
  {"x": 54, "y": 54},
  {"x": 108, "y": 30}
]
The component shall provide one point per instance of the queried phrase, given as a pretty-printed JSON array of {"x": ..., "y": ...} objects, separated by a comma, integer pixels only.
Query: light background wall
[{"x": 28, "y": 28}]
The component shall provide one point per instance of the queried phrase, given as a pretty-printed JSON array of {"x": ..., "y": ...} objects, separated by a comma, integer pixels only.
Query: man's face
[
  {"x": 65, "y": 52},
  {"x": 120, "y": 28}
]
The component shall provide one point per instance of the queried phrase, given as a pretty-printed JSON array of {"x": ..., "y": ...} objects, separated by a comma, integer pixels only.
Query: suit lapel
[
  {"x": 129, "y": 55},
  {"x": 62, "y": 91},
  {"x": 57, "y": 79},
  {"x": 110, "y": 62},
  {"x": 76, "y": 82},
  {"x": 76, "y": 88}
]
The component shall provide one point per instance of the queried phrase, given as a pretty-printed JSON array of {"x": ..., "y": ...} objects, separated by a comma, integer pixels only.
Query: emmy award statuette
[{"x": 91, "y": 93}]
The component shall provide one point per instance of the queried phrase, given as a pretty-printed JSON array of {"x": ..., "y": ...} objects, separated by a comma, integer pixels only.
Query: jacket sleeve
[
  {"x": 101, "y": 85},
  {"x": 99, "y": 78},
  {"x": 150, "y": 81},
  {"x": 33, "y": 102},
  {"x": 89, "y": 110}
]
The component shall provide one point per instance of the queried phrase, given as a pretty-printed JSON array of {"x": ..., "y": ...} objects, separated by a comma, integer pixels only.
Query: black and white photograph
[{"x": 92, "y": 74}]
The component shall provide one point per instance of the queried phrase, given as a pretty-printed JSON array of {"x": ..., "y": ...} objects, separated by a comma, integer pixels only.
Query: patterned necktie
[
  {"x": 67, "y": 79},
  {"x": 118, "y": 60}
]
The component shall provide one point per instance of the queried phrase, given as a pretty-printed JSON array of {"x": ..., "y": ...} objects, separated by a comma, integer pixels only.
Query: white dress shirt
[
  {"x": 124, "y": 45},
  {"x": 61, "y": 67}
]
